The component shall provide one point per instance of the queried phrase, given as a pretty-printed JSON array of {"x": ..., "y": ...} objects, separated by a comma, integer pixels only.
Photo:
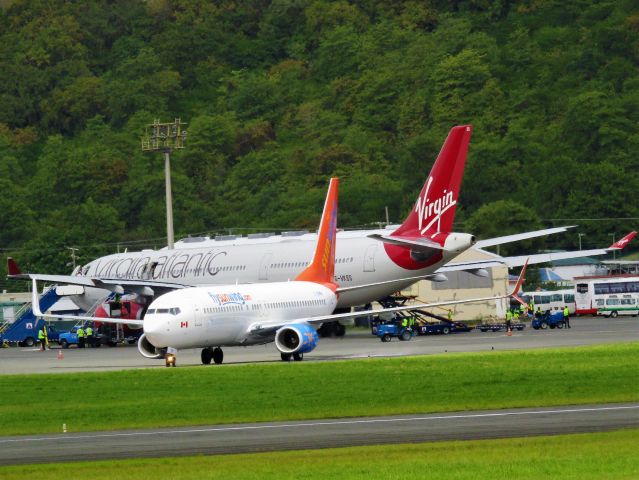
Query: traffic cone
[
  {"x": 510, "y": 332},
  {"x": 60, "y": 355}
]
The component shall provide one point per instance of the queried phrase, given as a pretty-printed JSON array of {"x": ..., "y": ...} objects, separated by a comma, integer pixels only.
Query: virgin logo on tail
[{"x": 426, "y": 208}]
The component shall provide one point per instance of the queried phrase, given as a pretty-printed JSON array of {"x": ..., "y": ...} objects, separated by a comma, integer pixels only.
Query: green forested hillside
[{"x": 280, "y": 95}]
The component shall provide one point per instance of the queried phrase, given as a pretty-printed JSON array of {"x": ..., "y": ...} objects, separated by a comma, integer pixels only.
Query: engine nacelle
[
  {"x": 296, "y": 338},
  {"x": 148, "y": 350},
  {"x": 459, "y": 242}
]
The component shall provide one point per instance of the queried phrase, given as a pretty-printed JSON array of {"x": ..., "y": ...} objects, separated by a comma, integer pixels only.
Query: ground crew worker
[
  {"x": 522, "y": 309},
  {"x": 566, "y": 317},
  {"x": 89, "y": 333},
  {"x": 509, "y": 319},
  {"x": 538, "y": 312},
  {"x": 42, "y": 337},
  {"x": 81, "y": 334},
  {"x": 116, "y": 305},
  {"x": 405, "y": 322},
  {"x": 450, "y": 315},
  {"x": 531, "y": 307}
]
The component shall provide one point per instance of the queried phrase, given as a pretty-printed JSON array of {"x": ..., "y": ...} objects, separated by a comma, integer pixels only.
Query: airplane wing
[
  {"x": 264, "y": 329},
  {"x": 491, "y": 242},
  {"x": 35, "y": 305},
  {"x": 518, "y": 261},
  {"x": 117, "y": 285}
]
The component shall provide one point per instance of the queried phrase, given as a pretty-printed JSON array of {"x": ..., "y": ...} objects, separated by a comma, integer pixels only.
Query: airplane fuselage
[
  {"x": 359, "y": 261},
  {"x": 227, "y": 315}
]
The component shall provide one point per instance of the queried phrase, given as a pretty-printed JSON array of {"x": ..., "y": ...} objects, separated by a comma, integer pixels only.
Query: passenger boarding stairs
[{"x": 26, "y": 324}]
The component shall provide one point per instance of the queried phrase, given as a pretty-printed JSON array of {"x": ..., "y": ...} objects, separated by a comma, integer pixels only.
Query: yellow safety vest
[
  {"x": 89, "y": 332},
  {"x": 80, "y": 333},
  {"x": 566, "y": 312},
  {"x": 41, "y": 335}
]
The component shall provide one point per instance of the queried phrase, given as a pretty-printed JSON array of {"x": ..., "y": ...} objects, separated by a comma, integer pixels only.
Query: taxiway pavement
[{"x": 358, "y": 343}]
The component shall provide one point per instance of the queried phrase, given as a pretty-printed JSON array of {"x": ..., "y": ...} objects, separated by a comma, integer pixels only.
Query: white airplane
[
  {"x": 250, "y": 314},
  {"x": 382, "y": 260}
]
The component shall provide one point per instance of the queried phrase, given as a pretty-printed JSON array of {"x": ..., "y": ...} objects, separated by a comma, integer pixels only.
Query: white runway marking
[{"x": 324, "y": 423}]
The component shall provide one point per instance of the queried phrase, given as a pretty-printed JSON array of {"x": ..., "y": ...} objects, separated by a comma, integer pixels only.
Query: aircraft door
[
  {"x": 369, "y": 258},
  {"x": 264, "y": 266},
  {"x": 197, "y": 316}
]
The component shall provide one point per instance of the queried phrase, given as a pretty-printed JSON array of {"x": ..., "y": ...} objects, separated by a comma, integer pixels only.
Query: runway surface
[
  {"x": 260, "y": 437},
  {"x": 356, "y": 344}
]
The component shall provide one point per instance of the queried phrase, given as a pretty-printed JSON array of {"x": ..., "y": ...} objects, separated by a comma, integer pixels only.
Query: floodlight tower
[{"x": 165, "y": 137}]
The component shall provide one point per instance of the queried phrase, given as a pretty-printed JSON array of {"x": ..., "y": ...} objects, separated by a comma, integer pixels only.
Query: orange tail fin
[{"x": 322, "y": 267}]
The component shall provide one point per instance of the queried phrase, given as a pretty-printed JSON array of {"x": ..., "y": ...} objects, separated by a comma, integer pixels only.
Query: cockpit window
[
  {"x": 162, "y": 310},
  {"x": 151, "y": 310},
  {"x": 175, "y": 311}
]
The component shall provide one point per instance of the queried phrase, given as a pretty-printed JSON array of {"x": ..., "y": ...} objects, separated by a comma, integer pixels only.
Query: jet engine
[
  {"x": 296, "y": 338},
  {"x": 148, "y": 350}
]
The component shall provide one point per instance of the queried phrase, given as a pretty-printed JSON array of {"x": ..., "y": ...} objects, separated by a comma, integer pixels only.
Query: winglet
[
  {"x": 618, "y": 245},
  {"x": 520, "y": 282},
  {"x": 12, "y": 267},
  {"x": 322, "y": 267},
  {"x": 35, "y": 301}
]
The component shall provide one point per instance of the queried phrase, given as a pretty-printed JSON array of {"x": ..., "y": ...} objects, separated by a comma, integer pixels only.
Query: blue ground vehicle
[
  {"x": 443, "y": 328},
  {"x": 386, "y": 331},
  {"x": 548, "y": 319},
  {"x": 71, "y": 338}
]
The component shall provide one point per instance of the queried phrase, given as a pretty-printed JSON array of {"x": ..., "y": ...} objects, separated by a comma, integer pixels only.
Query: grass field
[
  {"x": 610, "y": 456},
  {"x": 287, "y": 391}
]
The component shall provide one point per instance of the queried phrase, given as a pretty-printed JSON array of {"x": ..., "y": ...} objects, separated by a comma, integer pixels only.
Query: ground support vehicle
[
  {"x": 499, "y": 327},
  {"x": 444, "y": 328},
  {"x": 386, "y": 331},
  {"x": 424, "y": 322},
  {"x": 549, "y": 320},
  {"x": 24, "y": 330}
]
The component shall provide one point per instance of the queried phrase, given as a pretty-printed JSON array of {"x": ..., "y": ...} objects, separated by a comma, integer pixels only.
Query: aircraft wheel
[
  {"x": 218, "y": 355},
  {"x": 207, "y": 356},
  {"x": 338, "y": 329},
  {"x": 298, "y": 357},
  {"x": 286, "y": 357}
]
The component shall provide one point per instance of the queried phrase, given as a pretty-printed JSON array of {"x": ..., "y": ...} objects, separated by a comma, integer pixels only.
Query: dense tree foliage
[{"x": 279, "y": 95}]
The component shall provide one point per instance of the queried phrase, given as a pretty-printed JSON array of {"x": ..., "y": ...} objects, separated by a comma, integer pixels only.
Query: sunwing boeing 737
[{"x": 250, "y": 314}]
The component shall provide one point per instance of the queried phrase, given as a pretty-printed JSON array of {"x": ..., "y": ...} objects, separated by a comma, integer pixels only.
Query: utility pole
[
  {"x": 165, "y": 137},
  {"x": 73, "y": 256},
  {"x": 580, "y": 235}
]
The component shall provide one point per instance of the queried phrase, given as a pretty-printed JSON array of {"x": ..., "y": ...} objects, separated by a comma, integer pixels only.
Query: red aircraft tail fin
[
  {"x": 322, "y": 267},
  {"x": 619, "y": 244},
  {"x": 435, "y": 208},
  {"x": 12, "y": 267}
]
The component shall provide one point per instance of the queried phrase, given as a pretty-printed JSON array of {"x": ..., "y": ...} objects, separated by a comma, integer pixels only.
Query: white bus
[
  {"x": 609, "y": 295},
  {"x": 552, "y": 300}
]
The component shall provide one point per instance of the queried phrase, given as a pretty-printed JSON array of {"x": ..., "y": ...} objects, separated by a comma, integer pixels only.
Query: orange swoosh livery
[{"x": 322, "y": 267}]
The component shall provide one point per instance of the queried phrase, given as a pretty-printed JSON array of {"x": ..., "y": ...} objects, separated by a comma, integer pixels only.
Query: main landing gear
[
  {"x": 286, "y": 357},
  {"x": 216, "y": 354}
]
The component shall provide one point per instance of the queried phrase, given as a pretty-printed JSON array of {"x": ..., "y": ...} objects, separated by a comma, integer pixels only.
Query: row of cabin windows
[
  {"x": 267, "y": 306},
  {"x": 197, "y": 271},
  {"x": 303, "y": 264}
]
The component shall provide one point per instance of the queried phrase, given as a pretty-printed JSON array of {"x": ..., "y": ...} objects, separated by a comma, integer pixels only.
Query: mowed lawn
[
  {"x": 311, "y": 390},
  {"x": 610, "y": 456}
]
